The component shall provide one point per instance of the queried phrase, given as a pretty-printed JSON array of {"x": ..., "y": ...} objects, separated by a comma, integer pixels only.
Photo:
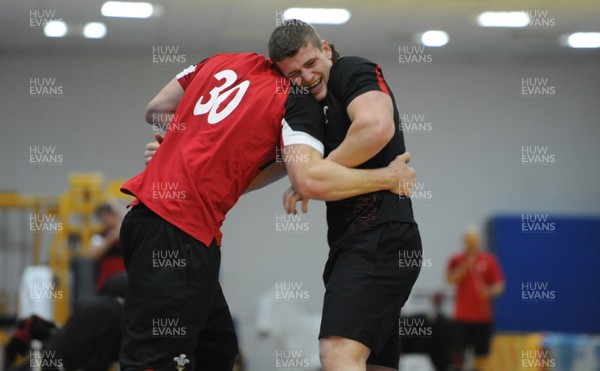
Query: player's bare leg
[{"x": 342, "y": 354}]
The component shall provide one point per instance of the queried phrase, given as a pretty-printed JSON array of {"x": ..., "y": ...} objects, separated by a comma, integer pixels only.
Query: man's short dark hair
[{"x": 287, "y": 39}]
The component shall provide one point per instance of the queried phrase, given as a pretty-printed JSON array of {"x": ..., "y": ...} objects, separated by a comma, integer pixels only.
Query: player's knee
[{"x": 341, "y": 353}]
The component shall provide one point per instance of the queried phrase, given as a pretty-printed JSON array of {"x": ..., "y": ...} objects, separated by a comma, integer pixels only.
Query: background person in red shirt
[{"x": 478, "y": 280}]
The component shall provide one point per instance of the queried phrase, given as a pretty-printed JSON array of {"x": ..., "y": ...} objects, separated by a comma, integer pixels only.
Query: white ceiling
[{"x": 376, "y": 27}]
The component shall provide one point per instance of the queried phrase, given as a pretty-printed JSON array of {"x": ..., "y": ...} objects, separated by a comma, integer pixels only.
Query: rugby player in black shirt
[{"x": 365, "y": 285}]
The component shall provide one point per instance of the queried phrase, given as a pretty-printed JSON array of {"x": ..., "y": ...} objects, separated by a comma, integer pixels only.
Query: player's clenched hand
[
  {"x": 404, "y": 175},
  {"x": 152, "y": 147},
  {"x": 291, "y": 198}
]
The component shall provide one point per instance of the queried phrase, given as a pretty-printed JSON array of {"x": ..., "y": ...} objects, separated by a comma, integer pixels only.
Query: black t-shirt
[
  {"x": 350, "y": 77},
  {"x": 304, "y": 121}
]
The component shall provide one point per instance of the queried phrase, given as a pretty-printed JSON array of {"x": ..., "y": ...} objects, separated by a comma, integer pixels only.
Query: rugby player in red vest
[{"x": 225, "y": 119}]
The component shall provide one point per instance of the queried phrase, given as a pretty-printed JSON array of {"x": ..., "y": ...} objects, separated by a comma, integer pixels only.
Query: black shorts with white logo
[
  {"x": 368, "y": 278},
  {"x": 175, "y": 311}
]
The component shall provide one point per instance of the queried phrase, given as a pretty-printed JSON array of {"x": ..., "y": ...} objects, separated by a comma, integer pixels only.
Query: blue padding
[{"x": 552, "y": 270}]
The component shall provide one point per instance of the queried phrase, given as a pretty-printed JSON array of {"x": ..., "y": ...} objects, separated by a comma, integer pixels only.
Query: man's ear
[{"x": 326, "y": 49}]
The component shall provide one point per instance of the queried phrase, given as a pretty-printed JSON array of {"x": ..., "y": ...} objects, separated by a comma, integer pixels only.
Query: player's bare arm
[
  {"x": 314, "y": 177},
  {"x": 317, "y": 178},
  {"x": 160, "y": 111},
  {"x": 161, "y": 108},
  {"x": 152, "y": 147},
  {"x": 372, "y": 116},
  {"x": 269, "y": 175}
]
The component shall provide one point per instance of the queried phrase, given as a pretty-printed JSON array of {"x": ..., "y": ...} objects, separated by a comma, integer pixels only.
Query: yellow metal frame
[
  {"x": 75, "y": 210},
  {"x": 80, "y": 201}
]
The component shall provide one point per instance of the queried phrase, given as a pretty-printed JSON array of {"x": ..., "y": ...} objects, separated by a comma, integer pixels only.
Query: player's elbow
[
  {"x": 382, "y": 131},
  {"x": 387, "y": 130},
  {"x": 151, "y": 111},
  {"x": 309, "y": 187},
  {"x": 312, "y": 181}
]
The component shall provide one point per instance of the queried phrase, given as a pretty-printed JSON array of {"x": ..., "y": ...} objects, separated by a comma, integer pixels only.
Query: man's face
[
  {"x": 471, "y": 242},
  {"x": 309, "y": 68}
]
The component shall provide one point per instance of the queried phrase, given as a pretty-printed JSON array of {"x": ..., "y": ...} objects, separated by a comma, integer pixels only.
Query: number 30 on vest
[{"x": 219, "y": 94}]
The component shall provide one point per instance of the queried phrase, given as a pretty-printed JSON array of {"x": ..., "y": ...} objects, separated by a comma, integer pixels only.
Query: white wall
[{"x": 470, "y": 160}]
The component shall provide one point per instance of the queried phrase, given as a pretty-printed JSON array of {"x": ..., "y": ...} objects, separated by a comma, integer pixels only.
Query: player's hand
[
  {"x": 152, "y": 147},
  {"x": 404, "y": 175},
  {"x": 291, "y": 198},
  {"x": 485, "y": 293}
]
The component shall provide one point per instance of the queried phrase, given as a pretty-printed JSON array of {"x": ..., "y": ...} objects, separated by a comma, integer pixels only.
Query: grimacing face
[{"x": 309, "y": 68}]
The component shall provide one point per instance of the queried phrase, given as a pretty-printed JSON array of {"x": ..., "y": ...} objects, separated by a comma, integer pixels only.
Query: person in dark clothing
[
  {"x": 89, "y": 340},
  {"x": 364, "y": 286},
  {"x": 435, "y": 335}
]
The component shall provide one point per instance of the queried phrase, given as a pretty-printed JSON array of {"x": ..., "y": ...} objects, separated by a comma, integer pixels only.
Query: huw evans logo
[
  {"x": 290, "y": 223},
  {"x": 540, "y": 19},
  {"x": 44, "y": 360},
  {"x": 290, "y": 154},
  {"x": 168, "y": 191},
  {"x": 45, "y": 87},
  {"x": 168, "y": 259},
  {"x": 44, "y": 223},
  {"x": 167, "y": 55},
  {"x": 44, "y": 155},
  {"x": 537, "y": 155},
  {"x": 284, "y": 86},
  {"x": 38, "y": 18},
  {"x": 536, "y": 360},
  {"x": 414, "y": 327},
  {"x": 292, "y": 359},
  {"x": 414, "y": 123},
  {"x": 413, "y": 259},
  {"x": 44, "y": 291},
  {"x": 537, "y": 223},
  {"x": 168, "y": 122},
  {"x": 290, "y": 291},
  {"x": 537, "y": 87},
  {"x": 168, "y": 327},
  {"x": 413, "y": 55},
  {"x": 418, "y": 191},
  {"x": 537, "y": 292}
]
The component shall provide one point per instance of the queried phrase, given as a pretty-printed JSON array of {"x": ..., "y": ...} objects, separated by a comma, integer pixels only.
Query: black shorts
[
  {"x": 366, "y": 286},
  {"x": 476, "y": 335},
  {"x": 174, "y": 305}
]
